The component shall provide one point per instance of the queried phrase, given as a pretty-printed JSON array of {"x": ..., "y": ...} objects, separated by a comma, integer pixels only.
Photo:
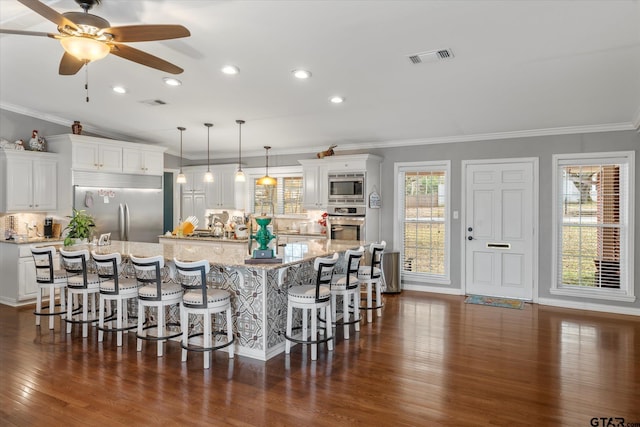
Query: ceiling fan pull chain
[{"x": 86, "y": 78}]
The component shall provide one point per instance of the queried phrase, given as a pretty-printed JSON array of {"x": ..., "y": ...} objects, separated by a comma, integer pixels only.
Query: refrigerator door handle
[
  {"x": 121, "y": 221},
  {"x": 127, "y": 221}
]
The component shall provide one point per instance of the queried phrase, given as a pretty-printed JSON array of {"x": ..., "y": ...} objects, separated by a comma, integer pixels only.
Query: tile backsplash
[{"x": 24, "y": 224}]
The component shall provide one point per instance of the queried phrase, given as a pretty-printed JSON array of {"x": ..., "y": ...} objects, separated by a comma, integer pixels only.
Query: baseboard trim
[
  {"x": 604, "y": 308},
  {"x": 433, "y": 289}
]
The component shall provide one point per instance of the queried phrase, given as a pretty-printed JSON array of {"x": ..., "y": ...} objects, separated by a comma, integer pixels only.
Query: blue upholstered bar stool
[
  {"x": 154, "y": 293},
  {"x": 347, "y": 286},
  {"x": 371, "y": 278},
  {"x": 114, "y": 287},
  {"x": 82, "y": 283},
  {"x": 313, "y": 300},
  {"x": 48, "y": 278},
  {"x": 199, "y": 299}
]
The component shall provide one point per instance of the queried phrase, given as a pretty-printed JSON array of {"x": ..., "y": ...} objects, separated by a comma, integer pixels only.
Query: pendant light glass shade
[
  {"x": 208, "y": 176},
  {"x": 181, "y": 179},
  {"x": 266, "y": 179},
  {"x": 240, "y": 173}
]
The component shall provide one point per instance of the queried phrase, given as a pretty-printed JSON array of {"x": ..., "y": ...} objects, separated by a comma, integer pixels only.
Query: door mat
[{"x": 495, "y": 301}]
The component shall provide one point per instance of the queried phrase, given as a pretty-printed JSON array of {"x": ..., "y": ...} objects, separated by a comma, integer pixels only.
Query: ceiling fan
[{"x": 86, "y": 37}]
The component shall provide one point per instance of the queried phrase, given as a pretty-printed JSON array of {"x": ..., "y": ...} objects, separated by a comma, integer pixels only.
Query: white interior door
[{"x": 499, "y": 231}]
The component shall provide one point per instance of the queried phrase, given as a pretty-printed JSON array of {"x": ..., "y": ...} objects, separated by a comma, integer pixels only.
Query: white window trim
[
  {"x": 400, "y": 167},
  {"x": 276, "y": 172},
  {"x": 623, "y": 294}
]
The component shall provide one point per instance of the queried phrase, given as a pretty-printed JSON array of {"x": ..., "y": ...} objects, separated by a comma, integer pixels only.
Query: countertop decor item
[
  {"x": 326, "y": 153},
  {"x": 79, "y": 227}
]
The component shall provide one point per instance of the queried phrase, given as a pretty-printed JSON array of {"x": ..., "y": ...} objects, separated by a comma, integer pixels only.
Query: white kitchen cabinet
[
  {"x": 194, "y": 204},
  {"x": 144, "y": 162},
  {"x": 221, "y": 193},
  {"x": 315, "y": 184},
  {"x": 195, "y": 180},
  {"x": 18, "y": 285},
  {"x": 96, "y": 157},
  {"x": 30, "y": 181}
]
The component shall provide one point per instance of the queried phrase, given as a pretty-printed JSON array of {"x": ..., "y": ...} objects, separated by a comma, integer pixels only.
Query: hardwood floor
[{"x": 430, "y": 360}]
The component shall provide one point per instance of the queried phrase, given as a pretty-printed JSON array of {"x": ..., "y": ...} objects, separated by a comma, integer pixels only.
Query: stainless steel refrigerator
[{"x": 133, "y": 214}]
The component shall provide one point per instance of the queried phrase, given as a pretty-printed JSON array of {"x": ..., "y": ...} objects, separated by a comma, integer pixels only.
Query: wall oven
[
  {"x": 346, "y": 223},
  {"x": 346, "y": 189}
]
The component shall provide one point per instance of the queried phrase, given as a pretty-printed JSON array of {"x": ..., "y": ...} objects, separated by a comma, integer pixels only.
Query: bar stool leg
[
  {"x": 356, "y": 309},
  {"x": 287, "y": 343},
  {"x": 119, "y": 315},
  {"x": 314, "y": 332},
  {"x": 141, "y": 316},
  {"x": 184, "y": 323},
  {"x": 38, "y": 306},
  {"x": 379, "y": 297},
  {"x": 369, "y": 302},
  {"x": 305, "y": 326},
  {"x": 161, "y": 328},
  {"x": 70, "y": 310},
  {"x": 101, "y": 321},
  {"x": 329, "y": 330},
  {"x": 85, "y": 315},
  {"x": 206, "y": 319},
  {"x": 230, "y": 332},
  {"x": 345, "y": 314},
  {"x": 52, "y": 304}
]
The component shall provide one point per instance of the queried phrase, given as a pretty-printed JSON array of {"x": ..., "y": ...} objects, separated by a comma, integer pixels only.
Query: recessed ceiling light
[
  {"x": 171, "y": 81},
  {"x": 337, "y": 99},
  {"x": 301, "y": 74},
  {"x": 230, "y": 69},
  {"x": 119, "y": 89}
]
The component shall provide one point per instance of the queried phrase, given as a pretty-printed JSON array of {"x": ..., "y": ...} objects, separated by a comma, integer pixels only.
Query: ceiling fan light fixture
[
  {"x": 170, "y": 81},
  {"x": 85, "y": 48},
  {"x": 230, "y": 69}
]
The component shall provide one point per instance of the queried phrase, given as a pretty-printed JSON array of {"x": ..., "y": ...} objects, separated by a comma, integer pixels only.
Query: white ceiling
[{"x": 520, "y": 68}]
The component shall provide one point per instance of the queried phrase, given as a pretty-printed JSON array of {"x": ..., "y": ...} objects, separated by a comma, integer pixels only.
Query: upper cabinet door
[
  {"x": 85, "y": 157},
  {"x": 97, "y": 157},
  {"x": 142, "y": 161},
  {"x": 19, "y": 185},
  {"x": 45, "y": 185},
  {"x": 110, "y": 158}
]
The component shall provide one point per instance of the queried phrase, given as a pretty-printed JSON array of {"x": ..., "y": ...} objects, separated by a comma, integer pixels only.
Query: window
[
  {"x": 284, "y": 198},
  {"x": 593, "y": 225},
  {"x": 423, "y": 216}
]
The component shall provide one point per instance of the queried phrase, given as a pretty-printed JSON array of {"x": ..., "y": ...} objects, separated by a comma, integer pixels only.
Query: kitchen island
[{"x": 258, "y": 291}]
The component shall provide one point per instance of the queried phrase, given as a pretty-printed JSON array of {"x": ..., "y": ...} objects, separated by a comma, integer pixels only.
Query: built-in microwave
[{"x": 346, "y": 189}]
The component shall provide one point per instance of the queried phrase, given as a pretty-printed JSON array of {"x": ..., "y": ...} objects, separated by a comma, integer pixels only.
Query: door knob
[
  {"x": 470, "y": 229},
  {"x": 470, "y": 238}
]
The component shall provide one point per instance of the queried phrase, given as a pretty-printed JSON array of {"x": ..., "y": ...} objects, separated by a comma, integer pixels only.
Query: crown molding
[
  {"x": 65, "y": 122},
  {"x": 567, "y": 130}
]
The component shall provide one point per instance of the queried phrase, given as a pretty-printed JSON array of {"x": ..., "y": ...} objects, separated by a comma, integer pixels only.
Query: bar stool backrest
[
  {"x": 148, "y": 272},
  {"x": 75, "y": 263},
  {"x": 377, "y": 250},
  {"x": 353, "y": 258},
  {"x": 43, "y": 259},
  {"x": 324, "y": 267},
  {"x": 193, "y": 277},
  {"x": 109, "y": 267}
]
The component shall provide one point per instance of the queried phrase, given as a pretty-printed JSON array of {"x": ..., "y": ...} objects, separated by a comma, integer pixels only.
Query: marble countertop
[
  {"x": 227, "y": 255},
  {"x": 32, "y": 240},
  {"x": 204, "y": 239}
]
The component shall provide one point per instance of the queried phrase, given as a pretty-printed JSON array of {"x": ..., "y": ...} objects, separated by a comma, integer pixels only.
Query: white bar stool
[
  {"x": 347, "y": 286},
  {"x": 80, "y": 282},
  {"x": 114, "y": 287},
  {"x": 311, "y": 298},
  {"x": 372, "y": 276},
  {"x": 154, "y": 293},
  {"x": 200, "y": 300},
  {"x": 48, "y": 278}
]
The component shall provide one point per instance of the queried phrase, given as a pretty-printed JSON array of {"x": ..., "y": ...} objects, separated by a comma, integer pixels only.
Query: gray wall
[
  {"x": 14, "y": 126},
  {"x": 543, "y": 148}
]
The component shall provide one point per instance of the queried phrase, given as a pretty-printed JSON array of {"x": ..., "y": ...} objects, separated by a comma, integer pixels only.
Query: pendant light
[
  {"x": 266, "y": 179},
  {"x": 208, "y": 176},
  {"x": 181, "y": 179},
  {"x": 240, "y": 173}
]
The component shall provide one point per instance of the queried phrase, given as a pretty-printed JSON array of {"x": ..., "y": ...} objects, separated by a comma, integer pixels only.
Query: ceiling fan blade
[
  {"x": 136, "y": 55},
  {"x": 49, "y": 13},
  {"x": 69, "y": 65},
  {"x": 29, "y": 33},
  {"x": 145, "y": 33}
]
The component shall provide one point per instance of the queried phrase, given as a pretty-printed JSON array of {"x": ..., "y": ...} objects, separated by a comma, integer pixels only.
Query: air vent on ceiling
[
  {"x": 154, "y": 102},
  {"x": 431, "y": 56}
]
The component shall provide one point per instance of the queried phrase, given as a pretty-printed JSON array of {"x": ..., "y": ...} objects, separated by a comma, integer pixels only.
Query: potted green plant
[{"x": 79, "y": 227}]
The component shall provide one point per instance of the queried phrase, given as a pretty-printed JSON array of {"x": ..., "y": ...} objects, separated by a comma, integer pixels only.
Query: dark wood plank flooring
[{"x": 430, "y": 360}]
